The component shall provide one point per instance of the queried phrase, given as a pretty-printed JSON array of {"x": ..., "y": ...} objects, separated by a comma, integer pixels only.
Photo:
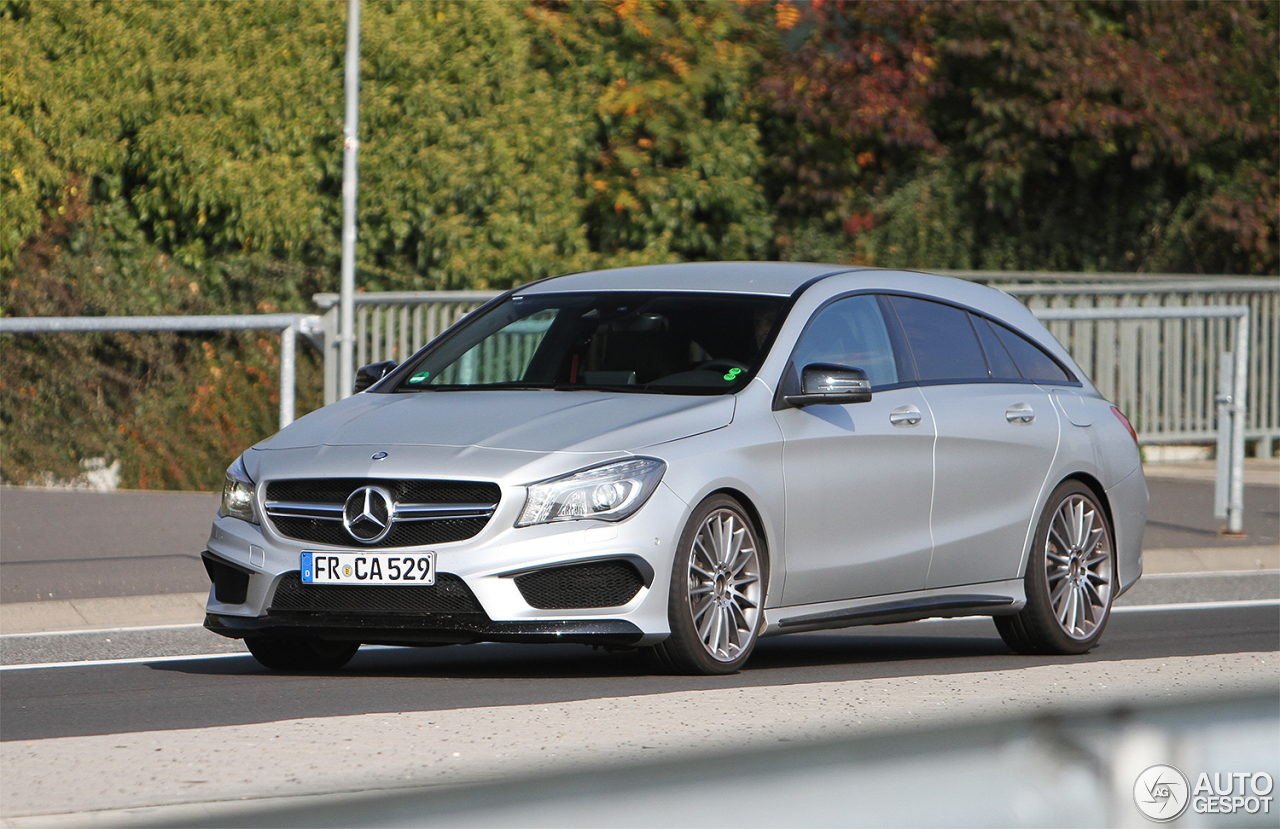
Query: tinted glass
[
  {"x": 998, "y": 359},
  {"x": 1033, "y": 361},
  {"x": 850, "y": 332},
  {"x": 942, "y": 340},
  {"x": 639, "y": 342}
]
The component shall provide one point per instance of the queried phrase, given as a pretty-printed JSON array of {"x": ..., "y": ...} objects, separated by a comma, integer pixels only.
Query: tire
[
  {"x": 300, "y": 653},
  {"x": 1070, "y": 577},
  {"x": 716, "y": 602}
]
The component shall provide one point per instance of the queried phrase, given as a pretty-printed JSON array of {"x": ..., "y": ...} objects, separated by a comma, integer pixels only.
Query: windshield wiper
[{"x": 520, "y": 386}]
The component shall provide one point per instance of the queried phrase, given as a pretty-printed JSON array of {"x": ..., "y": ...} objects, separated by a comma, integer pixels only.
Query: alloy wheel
[
  {"x": 1078, "y": 566},
  {"x": 725, "y": 585}
]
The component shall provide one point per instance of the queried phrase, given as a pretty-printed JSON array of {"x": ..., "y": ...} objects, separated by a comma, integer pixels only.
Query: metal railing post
[
  {"x": 332, "y": 353},
  {"x": 1239, "y": 407},
  {"x": 1222, "y": 477}
]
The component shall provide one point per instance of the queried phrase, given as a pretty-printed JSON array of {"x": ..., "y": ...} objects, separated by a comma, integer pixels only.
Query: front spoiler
[{"x": 433, "y": 629}]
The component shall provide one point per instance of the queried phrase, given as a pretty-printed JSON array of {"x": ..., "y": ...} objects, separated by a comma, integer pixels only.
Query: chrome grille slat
[
  {"x": 404, "y": 512},
  {"x": 411, "y": 512},
  {"x": 325, "y": 512}
]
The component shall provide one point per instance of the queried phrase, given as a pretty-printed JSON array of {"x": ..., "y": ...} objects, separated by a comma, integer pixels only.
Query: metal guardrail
[
  {"x": 1232, "y": 390},
  {"x": 391, "y": 325},
  {"x": 289, "y": 326},
  {"x": 1159, "y": 371}
]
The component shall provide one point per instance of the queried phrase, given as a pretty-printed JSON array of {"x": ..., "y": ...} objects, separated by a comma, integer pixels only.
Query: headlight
[
  {"x": 237, "y": 493},
  {"x": 610, "y": 492}
]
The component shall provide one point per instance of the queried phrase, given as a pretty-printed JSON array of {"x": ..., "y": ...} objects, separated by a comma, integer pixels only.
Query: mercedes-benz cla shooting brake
[{"x": 687, "y": 458}]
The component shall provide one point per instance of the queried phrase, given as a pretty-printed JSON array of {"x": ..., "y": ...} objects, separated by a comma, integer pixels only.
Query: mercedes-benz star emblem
[{"x": 369, "y": 514}]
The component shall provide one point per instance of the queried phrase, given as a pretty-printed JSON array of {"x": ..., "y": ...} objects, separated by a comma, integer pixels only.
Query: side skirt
[{"x": 990, "y": 599}]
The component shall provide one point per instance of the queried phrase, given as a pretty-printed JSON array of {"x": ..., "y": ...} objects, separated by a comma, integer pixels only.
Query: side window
[
  {"x": 1002, "y": 365},
  {"x": 1034, "y": 363},
  {"x": 942, "y": 341},
  {"x": 850, "y": 332}
]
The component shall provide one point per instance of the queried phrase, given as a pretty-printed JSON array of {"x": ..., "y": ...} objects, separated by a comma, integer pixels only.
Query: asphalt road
[
  {"x": 180, "y": 693},
  {"x": 77, "y": 545}
]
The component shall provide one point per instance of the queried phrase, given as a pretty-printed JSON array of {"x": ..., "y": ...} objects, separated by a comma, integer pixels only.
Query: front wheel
[
  {"x": 300, "y": 653},
  {"x": 1070, "y": 577},
  {"x": 715, "y": 605}
]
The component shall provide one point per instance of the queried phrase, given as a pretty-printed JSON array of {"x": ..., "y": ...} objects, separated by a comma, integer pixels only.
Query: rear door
[{"x": 997, "y": 437}]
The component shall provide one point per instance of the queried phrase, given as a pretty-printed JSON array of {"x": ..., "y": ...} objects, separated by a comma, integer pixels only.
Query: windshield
[{"x": 639, "y": 342}]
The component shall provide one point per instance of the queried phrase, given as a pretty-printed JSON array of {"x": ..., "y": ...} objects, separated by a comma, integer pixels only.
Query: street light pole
[{"x": 350, "y": 144}]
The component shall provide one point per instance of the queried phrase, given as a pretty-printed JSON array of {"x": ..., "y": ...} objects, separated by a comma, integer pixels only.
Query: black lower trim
[
  {"x": 905, "y": 610},
  {"x": 433, "y": 629}
]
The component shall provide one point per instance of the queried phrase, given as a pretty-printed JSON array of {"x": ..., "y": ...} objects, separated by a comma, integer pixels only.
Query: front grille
[
  {"x": 230, "y": 584},
  {"x": 336, "y": 490},
  {"x": 448, "y": 595},
  {"x": 594, "y": 584},
  {"x": 323, "y": 498},
  {"x": 403, "y": 534}
]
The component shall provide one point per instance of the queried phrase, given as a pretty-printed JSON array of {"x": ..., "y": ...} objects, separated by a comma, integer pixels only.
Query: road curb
[{"x": 1210, "y": 560}]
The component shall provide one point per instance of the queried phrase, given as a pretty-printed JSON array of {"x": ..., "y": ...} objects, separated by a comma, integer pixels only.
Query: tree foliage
[
  {"x": 1063, "y": 136},
  {"x": 166, "y": 157}
]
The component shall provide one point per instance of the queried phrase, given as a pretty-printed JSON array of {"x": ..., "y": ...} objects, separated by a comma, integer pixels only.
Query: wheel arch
[
  {"x": 1095, "y": 486},
  {"x": 753, "y": 512},
  {"x": 762, "y": 533}
]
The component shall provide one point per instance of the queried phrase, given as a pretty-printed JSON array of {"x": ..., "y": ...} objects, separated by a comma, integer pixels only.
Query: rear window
[
  {"x": 998, "y": 358},
  {"x": 1033, "y": 361},
  {"x": 944, "y": 345}
]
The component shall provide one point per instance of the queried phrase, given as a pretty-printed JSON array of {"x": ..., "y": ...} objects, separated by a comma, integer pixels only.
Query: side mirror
[
  {"x": 831, "y": 383},
  {"x": 366, "y": 376}
]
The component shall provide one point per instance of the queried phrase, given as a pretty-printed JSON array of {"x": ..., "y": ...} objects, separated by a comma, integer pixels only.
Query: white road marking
[
  {"x": 148, "y": 660},
  {"x": 1147, "y": 608},
  {"x": 137, "y": 660},
  {"x": 83, "y": 631},
  {"x": 145, "y": 660}
]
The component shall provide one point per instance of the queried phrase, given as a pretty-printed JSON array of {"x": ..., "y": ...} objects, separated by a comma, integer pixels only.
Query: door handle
[
  {"x": 905, "y": 416},
  {"x": 1019, "y": 413}
]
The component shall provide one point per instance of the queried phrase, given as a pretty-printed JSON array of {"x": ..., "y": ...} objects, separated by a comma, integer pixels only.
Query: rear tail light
[{"x": 1126, "y": 423}]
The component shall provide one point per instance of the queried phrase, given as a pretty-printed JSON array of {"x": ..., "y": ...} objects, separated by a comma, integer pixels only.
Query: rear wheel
[
  {"x": 300, "y": 653},
  {"x": 715, "y": 605},
  {"x": 1070, "y": 577}
]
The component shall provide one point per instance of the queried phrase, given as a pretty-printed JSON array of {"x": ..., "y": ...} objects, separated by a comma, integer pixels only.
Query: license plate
[{"x": 369, "y": 568}]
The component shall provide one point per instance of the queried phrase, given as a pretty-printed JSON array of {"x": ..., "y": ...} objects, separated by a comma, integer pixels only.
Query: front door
[{"x": 858, "y": 476}]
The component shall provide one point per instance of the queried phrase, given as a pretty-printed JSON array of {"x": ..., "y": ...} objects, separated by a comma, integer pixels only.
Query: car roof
[{"x": 764, "y": 278}]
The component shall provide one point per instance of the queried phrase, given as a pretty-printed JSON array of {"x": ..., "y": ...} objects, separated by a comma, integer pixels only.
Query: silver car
[{"x": 686, "y": 458}]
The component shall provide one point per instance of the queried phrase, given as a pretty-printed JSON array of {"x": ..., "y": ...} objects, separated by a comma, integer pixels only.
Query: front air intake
[
  {"x": 230, "y": 583},
  {"x": 448, "y": 595},
  {"x": 592, "y": 584}
]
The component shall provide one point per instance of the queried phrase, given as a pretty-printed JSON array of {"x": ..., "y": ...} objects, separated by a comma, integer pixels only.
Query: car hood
[{"x": 529, "y": 421}]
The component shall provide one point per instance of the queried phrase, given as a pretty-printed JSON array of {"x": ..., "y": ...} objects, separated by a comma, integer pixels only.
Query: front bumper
[{"x": 485, "y": 575}]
